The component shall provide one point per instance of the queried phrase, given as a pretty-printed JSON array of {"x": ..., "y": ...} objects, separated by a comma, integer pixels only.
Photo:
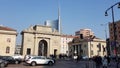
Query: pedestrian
[
  {"x": 105, "y": 62},
  {"x": 108, "y": 60},
  {"x": 98, "y": 61},
  {"x": 75, "y": 58}
]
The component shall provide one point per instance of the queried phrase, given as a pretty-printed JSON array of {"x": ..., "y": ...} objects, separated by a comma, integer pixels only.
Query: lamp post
[
  {"x": 114, "y": 27},
  {"x": 107, "y": 45},
  {"x": 105, "y": 29}
]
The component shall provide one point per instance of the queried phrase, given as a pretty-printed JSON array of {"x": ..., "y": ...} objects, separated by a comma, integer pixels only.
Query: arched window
[{"x": 7, "y": 49}]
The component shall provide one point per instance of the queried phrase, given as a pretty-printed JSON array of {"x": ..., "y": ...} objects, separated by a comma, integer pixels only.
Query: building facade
[
  {"x": 40, "y": 40},
  {"x": 89, "y": 48},
  {"x": 84, "y": 32},
  {"x": 18, "y": 49},
  {"x": 112, "y": 37},
  {"x": 65, "y": 39},
  {"x": 7, "y": 41}
]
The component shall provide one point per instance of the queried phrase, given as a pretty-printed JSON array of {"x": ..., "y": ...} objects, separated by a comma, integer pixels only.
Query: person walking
[
  {"x": 75, "y": 58},
  {"x": 98, "y": 61},
  {"x": 105, "y": 62},
  {"x": 108, "y": 60}
]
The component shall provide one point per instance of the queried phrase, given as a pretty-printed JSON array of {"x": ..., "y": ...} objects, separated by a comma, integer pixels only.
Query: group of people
[
  {"x": 105, "y": 61},
  {"x": 100, "y": 61}
]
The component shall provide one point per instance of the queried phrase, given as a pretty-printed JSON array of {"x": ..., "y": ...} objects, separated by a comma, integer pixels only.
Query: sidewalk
[
  {"x": 91, "y": 64},
  {"x": 85, "y": 63},
  {"x": 113, "y": 64}
]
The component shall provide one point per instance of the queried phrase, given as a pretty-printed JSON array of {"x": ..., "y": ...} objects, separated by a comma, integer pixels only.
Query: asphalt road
[
  {"x": 62, "y": 64},
  {"x": 58, "y": 64}
]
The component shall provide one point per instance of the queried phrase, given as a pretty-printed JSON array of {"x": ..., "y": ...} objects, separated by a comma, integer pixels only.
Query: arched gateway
[
  {"x": 42, "y": 48},
  {"x": 40, "y": 40}
]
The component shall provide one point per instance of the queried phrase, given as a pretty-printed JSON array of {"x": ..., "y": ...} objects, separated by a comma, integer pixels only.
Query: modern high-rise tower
[{"x": 55, "y": 24}]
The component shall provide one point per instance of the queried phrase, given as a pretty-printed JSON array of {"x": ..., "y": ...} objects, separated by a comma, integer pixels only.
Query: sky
[{"x": 75, "y": 14}]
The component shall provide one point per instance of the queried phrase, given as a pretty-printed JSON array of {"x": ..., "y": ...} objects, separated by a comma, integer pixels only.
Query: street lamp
[
  {"x": 106, "y": 14},
  {"x": 105, "y": 29},
  {"x": 107, "y": 39},
  {"x": 119, "y": 5},
  {"x": 114, "y": 27}
]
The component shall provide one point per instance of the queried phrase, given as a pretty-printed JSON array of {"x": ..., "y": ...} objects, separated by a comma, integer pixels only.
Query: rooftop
[{"x": 6, "y": 28}]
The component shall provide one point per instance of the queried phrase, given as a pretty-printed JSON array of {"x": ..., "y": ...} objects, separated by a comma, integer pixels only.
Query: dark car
[
  {"x": 10, "y": 59},
  {"x": 3, "y": 63}
]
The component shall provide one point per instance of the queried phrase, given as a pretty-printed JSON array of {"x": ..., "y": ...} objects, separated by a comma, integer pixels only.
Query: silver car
[{"x": 35, "y": 60}]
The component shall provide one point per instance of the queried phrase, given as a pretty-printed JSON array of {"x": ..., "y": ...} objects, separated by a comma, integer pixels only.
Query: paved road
[{"x": 63, "y": 64}]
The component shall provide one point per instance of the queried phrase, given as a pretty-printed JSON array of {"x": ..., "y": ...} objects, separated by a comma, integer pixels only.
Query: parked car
[
  {"x": 20, "y": 57},
  {"x": 27, "y": 57},
  {"x": 85, "y": 57},
  {"x": 10, "y": 59},
  {"x": 35, "y": 60},
  {"x": 3, "y": 63}
]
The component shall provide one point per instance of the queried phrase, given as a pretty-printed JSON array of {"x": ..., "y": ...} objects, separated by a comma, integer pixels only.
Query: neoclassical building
[
  {"x": 40, "y": 40},
  {"x": 7, "y": 41},
  {"x": 86, "y": 47},
  {"x": 65, "y": 39}
]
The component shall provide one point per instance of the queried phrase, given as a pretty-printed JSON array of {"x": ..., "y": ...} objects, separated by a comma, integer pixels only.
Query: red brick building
[{"x": 112, "y": 36}]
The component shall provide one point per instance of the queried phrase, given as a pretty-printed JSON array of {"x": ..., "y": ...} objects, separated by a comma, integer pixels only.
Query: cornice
[
  {"x": 9, "y": 33},
  {"x": 31, "y": 32}
]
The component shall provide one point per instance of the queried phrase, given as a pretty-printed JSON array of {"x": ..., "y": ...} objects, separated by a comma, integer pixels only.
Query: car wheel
[
  {"x": 2, "y": 65},
  {"x": 50, "y": 63},
  {"x": 16, "y": 62},
  {"x": 33, "y": 63}
]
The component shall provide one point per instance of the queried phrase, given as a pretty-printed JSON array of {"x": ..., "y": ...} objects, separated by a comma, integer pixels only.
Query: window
[
  {"x": 91, "y": 45},
  {"x": 42, "y": 57},
  {"x": 103, "y": 48},
  {"x": 98, "y": 52},
  {"x": 28, "y": 51},
  {"x": 8, "y": 39},
  {"x": 111, "y": 29},
  {"x": 91, "y": 52},
  {"x": 7, "y": 49},
  {"x": 84, "y": 45},
  {"x": 99, "y": 47}
]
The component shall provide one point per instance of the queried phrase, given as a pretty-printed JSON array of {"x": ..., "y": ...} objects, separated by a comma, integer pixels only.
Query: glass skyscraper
[{"x": 55, "y": 24}]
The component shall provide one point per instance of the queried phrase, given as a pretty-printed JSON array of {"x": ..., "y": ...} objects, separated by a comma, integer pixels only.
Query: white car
[
  {"x": 85, "y": 57},
  {"x": 35, "y": 60},
  {"x": 17, "y": 56}
]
